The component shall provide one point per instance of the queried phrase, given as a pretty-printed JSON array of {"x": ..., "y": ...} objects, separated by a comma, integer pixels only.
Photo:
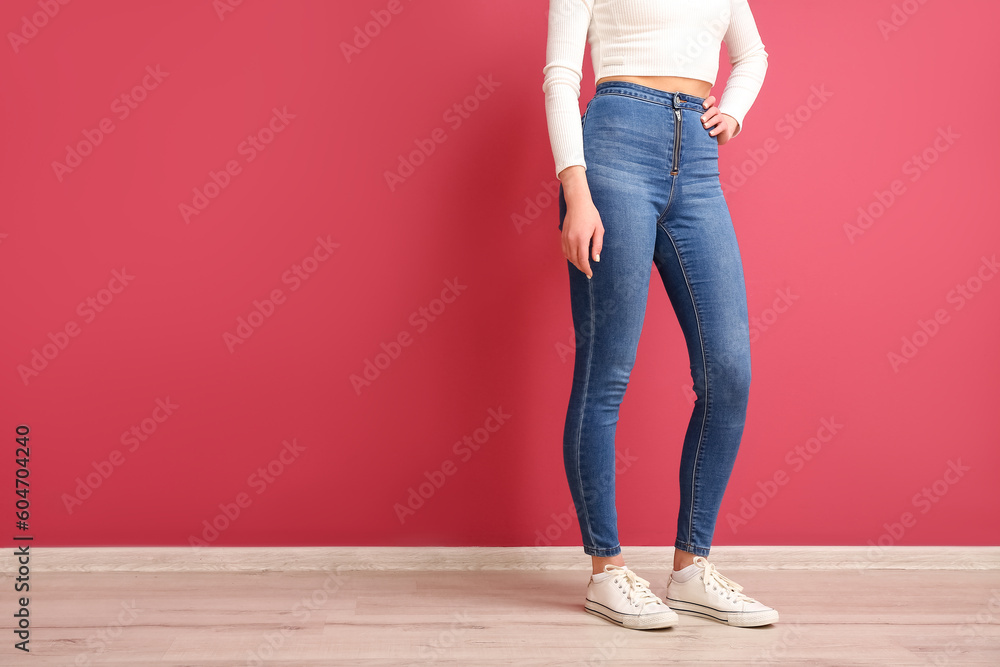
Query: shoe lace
[
  {"x": 637, "y": 589},
  {"x": 712, "y": 577}
]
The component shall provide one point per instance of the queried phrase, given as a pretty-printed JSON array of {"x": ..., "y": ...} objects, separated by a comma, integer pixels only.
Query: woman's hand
[
  {"x": 582, "y": 223},
  {"x": 722, "y": 126}
]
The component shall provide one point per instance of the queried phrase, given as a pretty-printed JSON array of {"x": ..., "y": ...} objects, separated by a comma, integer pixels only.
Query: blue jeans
[{"x": 653, "y": 171}]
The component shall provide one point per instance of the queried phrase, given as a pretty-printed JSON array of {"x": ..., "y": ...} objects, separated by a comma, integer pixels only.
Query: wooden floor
[{"x": 330, "y": 606}]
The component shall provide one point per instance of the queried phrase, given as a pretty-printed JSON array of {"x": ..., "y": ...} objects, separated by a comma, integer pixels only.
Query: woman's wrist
[{"x": 574, "y": 183}]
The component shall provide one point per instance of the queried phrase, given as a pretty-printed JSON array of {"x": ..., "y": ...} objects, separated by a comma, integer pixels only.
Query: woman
[{"x": 639, "y": 186}]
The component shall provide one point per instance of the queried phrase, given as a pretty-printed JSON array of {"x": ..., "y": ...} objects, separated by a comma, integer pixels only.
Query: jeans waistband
[{"x": 676, "y": 100}]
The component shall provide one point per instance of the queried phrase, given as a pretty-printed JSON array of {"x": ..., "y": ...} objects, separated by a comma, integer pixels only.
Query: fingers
[
  {"x": 709, "y": 101},
  {"x": 578, "y": 248},
  {"x": 575, "y": 250},
  {"x": 727, "y": 128},
  {"x": 712, "y": 118},
  {"x": 725, "y": 134},
  {"x": 581, "y": 254}
]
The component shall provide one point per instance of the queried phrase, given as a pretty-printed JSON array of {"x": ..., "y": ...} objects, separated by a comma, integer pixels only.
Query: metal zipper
[{"x": 677, "y": 142}]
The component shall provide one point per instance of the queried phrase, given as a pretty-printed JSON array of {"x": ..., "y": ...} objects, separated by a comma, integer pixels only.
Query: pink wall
[{"x": 146, "y": 417}]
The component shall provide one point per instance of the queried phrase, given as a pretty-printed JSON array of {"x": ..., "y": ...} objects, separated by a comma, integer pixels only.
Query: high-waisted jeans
[{"x": 653, "y": 172}]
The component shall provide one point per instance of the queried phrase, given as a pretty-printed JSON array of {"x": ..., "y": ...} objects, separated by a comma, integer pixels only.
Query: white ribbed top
[{"x": 640, "y": 38}]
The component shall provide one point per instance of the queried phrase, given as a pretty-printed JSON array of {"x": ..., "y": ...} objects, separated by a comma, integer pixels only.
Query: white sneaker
[
  {"x": 624, "y": 598},
  {"x": 710, "y": 595}
]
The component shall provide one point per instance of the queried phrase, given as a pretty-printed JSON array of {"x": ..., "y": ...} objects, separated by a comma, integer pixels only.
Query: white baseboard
[{"x": 291, "y": 559}]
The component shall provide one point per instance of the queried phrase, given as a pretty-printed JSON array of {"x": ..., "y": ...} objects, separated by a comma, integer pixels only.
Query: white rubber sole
[
  {"x": 749, "y": 619},
  {"x": 634, "y": 621}
]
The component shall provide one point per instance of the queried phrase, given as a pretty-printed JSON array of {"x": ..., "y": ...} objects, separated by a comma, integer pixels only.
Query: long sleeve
[
  {"x": 569, "y": 21},
  {"x": 749, "y": 61}
]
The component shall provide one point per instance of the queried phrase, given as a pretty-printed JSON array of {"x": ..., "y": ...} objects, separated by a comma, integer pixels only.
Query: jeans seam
[
  {"x": 670, "y": 198},
  {"x": 583, "y": 411},
  {"x": 691, "y": 548},
  {"x": 704, "y": 362},
  {"x": 645, "y": 98},
  {"x": 635, "y": 97},
  {"x": 605, "y": 552}
]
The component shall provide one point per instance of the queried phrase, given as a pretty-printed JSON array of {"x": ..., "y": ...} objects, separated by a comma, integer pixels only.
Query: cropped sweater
[{"x": 645, "y": 37}]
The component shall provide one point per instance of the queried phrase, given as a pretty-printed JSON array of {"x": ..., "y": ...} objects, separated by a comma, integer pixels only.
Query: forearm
[
  {"x": 575, "y": 187},
  {"x": 749, "y": 64}
]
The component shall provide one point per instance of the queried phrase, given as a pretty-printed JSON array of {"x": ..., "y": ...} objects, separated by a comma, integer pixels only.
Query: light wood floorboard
[{"x": 459, "y": 607}]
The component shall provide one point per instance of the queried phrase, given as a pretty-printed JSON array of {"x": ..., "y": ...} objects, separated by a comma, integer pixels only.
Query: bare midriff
[{"x": 672, "y": 84}]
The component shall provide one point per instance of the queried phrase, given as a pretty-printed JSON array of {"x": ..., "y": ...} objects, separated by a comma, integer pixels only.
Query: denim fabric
[{"x": 653, "y": 173}]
